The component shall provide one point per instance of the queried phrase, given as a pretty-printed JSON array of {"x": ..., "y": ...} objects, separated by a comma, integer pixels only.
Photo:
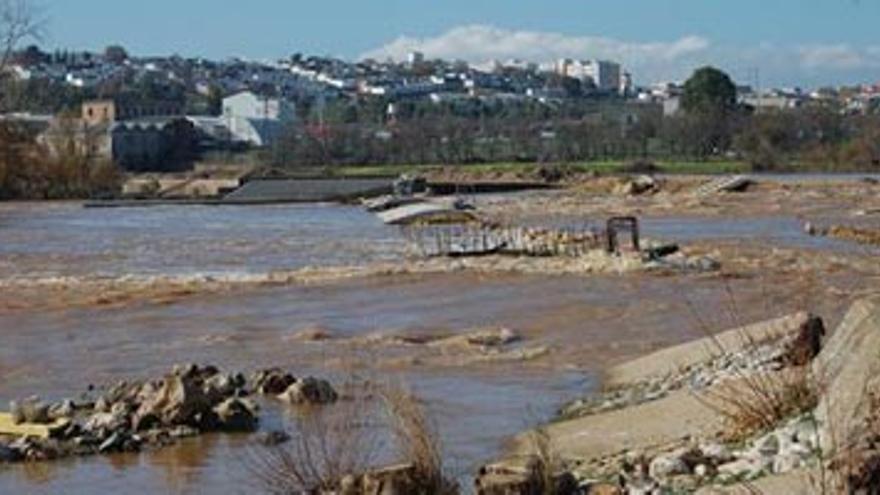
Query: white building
[
  {"x": 255, "y": 119},
  {"x": 415, "y": 58},
  {"x": 606, "y": 75}
]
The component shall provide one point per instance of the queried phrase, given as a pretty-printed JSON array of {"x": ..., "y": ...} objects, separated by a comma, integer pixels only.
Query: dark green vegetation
[
  {"x": 710, "y": 128},
  {"x": 29, "y": 171}
]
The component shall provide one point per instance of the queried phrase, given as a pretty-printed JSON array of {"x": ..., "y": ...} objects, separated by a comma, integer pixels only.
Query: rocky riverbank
[
  {"x": 133, "y": 416},
  {"x": 765, "y": 406}
]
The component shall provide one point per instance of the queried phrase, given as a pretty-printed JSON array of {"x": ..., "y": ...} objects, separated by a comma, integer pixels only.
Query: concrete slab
[
  {"x": 673, "y": 359},
  {"x": 849, "y": 366},
  {"x": 8, "y": 427},
  {"x": 642, "y": 427}
]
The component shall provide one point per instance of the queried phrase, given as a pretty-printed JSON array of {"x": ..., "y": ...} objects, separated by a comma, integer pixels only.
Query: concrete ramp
[
  {"x": 307, "y": 190},
  {"x": 673, "y": 359},
  {"x": 428, "y": 212},
  {"x": 849, "y": 366},
  {"x": 723, "y": 184}
]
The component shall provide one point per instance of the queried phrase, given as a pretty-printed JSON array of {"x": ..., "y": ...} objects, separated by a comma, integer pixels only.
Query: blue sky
[{"x": 785, "y": 42}]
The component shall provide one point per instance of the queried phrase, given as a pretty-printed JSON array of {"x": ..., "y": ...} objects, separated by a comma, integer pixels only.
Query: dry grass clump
[
  {"x": 547, "y": 468},
  {"x": 338, "y": 449},
  {"x": 417, "y": 442},
  {"x": 328, "y": 444},
  {"x": 755, "y": 403}
]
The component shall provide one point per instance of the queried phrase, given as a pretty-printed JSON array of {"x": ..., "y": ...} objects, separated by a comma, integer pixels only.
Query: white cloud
[
  {"x": 480, "y": 43},
  {"x": 837, "y": 56},
  {"x": 648, "y": 60}
]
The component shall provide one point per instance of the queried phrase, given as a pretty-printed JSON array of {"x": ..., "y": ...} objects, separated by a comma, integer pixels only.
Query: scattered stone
[
  {"x": 101, "y": 425},
  {"x": 310, "y": 391},
  {"x": 718, "y": 452},
  {"x": 113, "y": 443},
  {"x": 183, "y": 432},
  {"x": 786, "y": 462},
  {"x": 222, "y": 385},
  {"x": 179, "y": 400},
  {"x": 272, "y": 381},
  {"x": 768, "y": 445},
  {"x": 8, "y": 455},
  {"x": 665, "y": 466},
  {"x": 188, "y": 401},
  {"x": 236, "y": 414},
  {"x": 32, "y": 450},
  {"x": 805, "y": 432},
  {"x": 349, "y": 485},
  {"x": 65, "y": 409},
  {"x": 101, "y": 405},
  {"x": 273, "y": 438},
  {"x": 636, "y": 186},
  {"x": 31, "y": 410},
  {"x": 746, "y": 468}
]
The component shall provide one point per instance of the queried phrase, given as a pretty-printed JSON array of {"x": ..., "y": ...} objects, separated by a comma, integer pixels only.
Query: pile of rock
[
  {"x": 686, "y": 462},
  {"x": 792, "y": 446},
  {"x": 532, "y": 477},
  {"x": 637, "y": 186},
  {"x": 749, "y": 360},
  {"x": 130, "y": 416}
]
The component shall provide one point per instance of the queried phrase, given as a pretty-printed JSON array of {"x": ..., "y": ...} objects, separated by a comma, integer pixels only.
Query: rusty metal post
[{"x": 616, "y": 224}]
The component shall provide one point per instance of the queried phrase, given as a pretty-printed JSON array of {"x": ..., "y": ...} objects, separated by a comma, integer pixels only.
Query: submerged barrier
[{"x": 486, "y": 239}]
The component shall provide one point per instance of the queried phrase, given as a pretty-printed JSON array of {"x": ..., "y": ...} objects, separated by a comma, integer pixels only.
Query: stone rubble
[
  {"x": 692, "y": 463},
  {"x": 131, "y": 416},
  {"x": 749, "y": 361},
  {"x": 792, "y": 446}
]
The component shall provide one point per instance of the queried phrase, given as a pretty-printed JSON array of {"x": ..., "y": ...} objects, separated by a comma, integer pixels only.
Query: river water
[{"x": 57, "y": 353}]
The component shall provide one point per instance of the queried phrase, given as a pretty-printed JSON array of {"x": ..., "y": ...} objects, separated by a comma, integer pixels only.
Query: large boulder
[
  {"x": 178, "y": 400},
  {"x": 221, "y": 386},
  {"x": 31, "y": 410},
  {"x": 272, "y": 381},
  {"x": 235, "y": 414}
]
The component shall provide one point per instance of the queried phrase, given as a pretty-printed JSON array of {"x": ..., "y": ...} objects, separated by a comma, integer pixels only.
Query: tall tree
[
  {"x": 709, "y": 91},
  {"x": 115, "y": 54},
  {"x": 709, "y": 102},
  {"x": 18, "y": 22}
]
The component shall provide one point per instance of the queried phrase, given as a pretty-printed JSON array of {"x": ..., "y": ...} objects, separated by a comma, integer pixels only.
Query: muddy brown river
[{"x": 585, "y": 322}]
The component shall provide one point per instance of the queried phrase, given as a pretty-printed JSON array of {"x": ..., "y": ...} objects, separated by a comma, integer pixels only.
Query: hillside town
[{"x": 142, "y": 110}]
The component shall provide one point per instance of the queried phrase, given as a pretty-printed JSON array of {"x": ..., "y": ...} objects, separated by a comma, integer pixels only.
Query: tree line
[{"x": 711, "y": 125}]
